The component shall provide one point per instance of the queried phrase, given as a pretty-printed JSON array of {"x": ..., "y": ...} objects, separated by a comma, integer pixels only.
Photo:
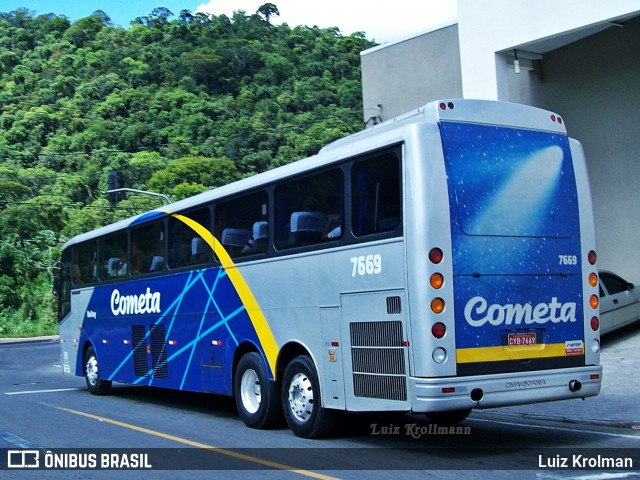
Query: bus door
[{"x": 71, "y": 328}]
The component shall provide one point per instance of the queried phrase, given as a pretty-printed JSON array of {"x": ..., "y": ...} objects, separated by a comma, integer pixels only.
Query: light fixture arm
[{"x": 166, "y": 199}]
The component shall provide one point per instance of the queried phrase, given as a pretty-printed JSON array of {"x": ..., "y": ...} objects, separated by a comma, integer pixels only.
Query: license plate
[{"x": 518, "y": 339}]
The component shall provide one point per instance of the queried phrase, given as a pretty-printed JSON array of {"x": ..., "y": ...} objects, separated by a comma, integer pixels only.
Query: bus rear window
[{"x": 509, "y": 181}]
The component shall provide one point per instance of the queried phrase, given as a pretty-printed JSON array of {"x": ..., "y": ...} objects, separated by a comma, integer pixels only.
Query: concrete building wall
[
  {"x": 586, "y": 67},
  {"x": 595, "y": 85},
  {"x": 409, "y": 73},
  {"x": 490, "y": 26}
]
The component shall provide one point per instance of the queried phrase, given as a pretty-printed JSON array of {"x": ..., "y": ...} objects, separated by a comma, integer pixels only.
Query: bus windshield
[{"x": 510, "y": 181}]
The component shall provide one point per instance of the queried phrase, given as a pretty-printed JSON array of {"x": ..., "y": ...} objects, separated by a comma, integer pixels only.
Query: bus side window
[
  {"x": 64, "y": 285},
  {"x": 376, "y": 198},
  {"x": 147, "y": 248},
  {"x": 85, "y": 257},
  {"x": 186, "y": 247},
  {"x": 241, "y": 224},
  {"x": 310, "y": 210},
  {"x": 114, "y": 256}
]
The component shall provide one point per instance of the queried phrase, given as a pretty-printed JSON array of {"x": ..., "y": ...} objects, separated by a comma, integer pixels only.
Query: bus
[{"x": 439, "y": 262}]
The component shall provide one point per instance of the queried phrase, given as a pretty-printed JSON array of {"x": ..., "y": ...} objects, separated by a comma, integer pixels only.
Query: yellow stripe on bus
[
  {"x": 265, "y": 336},
  {"x": 498, "y": 354}
]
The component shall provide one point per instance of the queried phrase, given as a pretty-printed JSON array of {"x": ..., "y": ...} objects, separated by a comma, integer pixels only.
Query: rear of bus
[{"x": 513, "y": 308}]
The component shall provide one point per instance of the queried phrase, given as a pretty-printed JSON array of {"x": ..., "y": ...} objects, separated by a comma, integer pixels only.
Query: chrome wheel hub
[
  {"x": 91, "y": 371},
  {"x": 301, "y": 397},
  {"x": 250, "y": 391}
]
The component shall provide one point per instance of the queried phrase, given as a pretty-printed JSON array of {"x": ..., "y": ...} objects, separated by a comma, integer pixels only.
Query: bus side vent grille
[
  {"x": 158, "y": 351},
  {"x": 378, "y": 359},
  {"x": 376, "y": 334},
  {"x": 394, "y": 306},
  {"x": 377, "y": 386},
  {"x": 140, "y": 365}
]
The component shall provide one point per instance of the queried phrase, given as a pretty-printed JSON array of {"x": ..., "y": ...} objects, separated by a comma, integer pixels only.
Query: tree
[
  {"x": 142, "y": 166},
  {"x": 175, "y": 105},
  {"x": 203, "y": 67},
  {"x": 84, "y": 29},
  {"x": 11, "y": 192},
  {"x": 267, "y": 10},
  {"x": 208, "y": 172}
]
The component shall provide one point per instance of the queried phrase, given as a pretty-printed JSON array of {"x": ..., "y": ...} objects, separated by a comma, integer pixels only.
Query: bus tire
[
  {"x": 257, "y": 398},
  {"x": 450, "y": 417},
  {"x": 302, "y": 401},
  {"x": 95, "y": 384}
]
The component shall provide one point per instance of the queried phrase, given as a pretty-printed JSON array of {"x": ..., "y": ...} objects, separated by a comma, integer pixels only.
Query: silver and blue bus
[{"x": 436, "y": 263}]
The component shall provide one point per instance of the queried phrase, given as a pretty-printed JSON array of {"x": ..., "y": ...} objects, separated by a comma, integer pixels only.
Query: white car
[{"x": 619, "y": 302}]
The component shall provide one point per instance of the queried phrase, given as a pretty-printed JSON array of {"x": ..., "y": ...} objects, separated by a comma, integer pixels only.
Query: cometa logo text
[
  {"x": 135, "y": 304},
  {"x": 477, "y": 312}
]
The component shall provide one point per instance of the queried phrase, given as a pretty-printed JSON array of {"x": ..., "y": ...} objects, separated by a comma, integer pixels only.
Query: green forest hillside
[{"x": 176, "y": 104}]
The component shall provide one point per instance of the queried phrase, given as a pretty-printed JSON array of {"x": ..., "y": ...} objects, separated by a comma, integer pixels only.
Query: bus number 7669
[{"x": 366, "y": 265}]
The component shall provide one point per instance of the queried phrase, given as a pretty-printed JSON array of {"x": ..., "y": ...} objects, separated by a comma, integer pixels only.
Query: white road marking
[
  {"x": 17, "y": 441},
  {"x": 43, "y": 391},
  {"x": 560, "y": 429}
]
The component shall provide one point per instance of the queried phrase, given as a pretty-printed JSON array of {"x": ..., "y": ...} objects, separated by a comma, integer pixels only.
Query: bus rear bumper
[{"x": 489, "y": 391}]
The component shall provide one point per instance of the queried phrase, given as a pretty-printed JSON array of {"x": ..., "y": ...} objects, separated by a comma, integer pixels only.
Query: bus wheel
[
  {"x": 448, "y": 418},
  {"x": 257, "y": 398},
  {"x": 301, "y": 401},
  {"x": 95, "y": 384}
]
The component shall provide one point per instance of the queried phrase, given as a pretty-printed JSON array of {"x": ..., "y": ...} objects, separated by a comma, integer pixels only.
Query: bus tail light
[
  {"x": 594, "y": 301},
  {"x": 436, "y": 281},
  {"x": 592, "y": 257},
  {"x": 437, "y": 305},
  {"x": 593, "y": 279},
  {"x": 595, "y": 323},
  {"x": 438, "y": 330},
  {"x": 436, "y": 255}
]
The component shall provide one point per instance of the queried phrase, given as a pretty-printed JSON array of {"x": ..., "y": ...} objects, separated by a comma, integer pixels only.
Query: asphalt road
[{"x": 42, "y": 411}]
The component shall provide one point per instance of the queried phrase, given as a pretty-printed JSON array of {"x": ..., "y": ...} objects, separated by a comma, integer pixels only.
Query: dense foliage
[{"x": 175, "y": 105}]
